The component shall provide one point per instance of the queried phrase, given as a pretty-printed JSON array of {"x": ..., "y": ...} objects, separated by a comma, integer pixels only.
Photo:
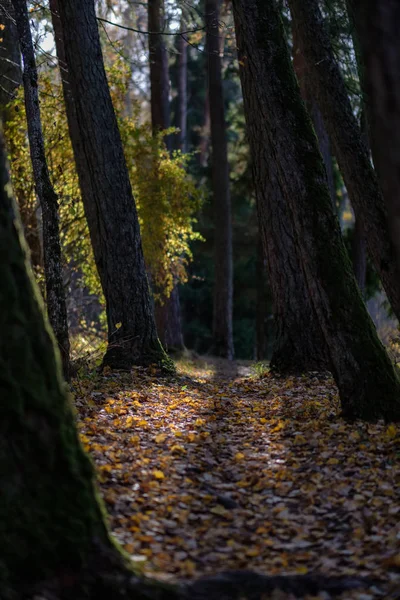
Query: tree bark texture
[
  {"x": 10, "y": 61},
  {"x": 106, "y": 190},
  {"x": 52, "y": 255},
  {"x": 377, "y": 28},
  {"x": 223, "y": 261},
  {"x": 290, "y": 175},
  {"x": 309, "y": 98},
  {"x": 168, "y": 312},
  {"x": 350, "y": 151},
  {"x": 49, "y": 513},
  {"x": 159, "y": 79}
]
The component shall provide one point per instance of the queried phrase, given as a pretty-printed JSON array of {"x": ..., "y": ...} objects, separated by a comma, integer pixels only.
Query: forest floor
[{"x": 218, "y": 469}]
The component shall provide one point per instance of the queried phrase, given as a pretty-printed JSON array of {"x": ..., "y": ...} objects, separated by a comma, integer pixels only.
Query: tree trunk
[
  {"x": 261, "y": 302},
  {"x": 10, "y": 60},
  {"x": 167, "y": 313},
  {"x": 289, "y": 173},
  {"x": 49, "y": 503},
  {"x": 106, "y": 190},
  {"x": 159, "y": 79},
  {"x": 309, "y": 98},
  {"x": 377, "y": 27},
  {"x": 55, "y": 542},
  {"x": 52, "y": 256},
  {"x": 350, "y": 151},
  {"x": 182, "y": 47},
  {"x": 223, "y": 262}
]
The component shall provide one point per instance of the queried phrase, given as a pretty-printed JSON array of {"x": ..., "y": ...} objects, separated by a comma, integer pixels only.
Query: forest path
[{"x": 202, "y": 473}]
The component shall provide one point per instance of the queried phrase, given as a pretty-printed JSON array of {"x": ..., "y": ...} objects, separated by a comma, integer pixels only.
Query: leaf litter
[{"x": 203, "y": 474}]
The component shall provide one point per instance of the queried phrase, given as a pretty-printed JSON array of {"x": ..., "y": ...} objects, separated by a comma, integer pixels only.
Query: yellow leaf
[
  {"x": 333, "y": 461},
  {"x": 118, "y": 325},
  {"x": 302, "y": 570},
  {"x": 239, "y": 456},
  {"x": 158, "y": 474},
  {"x": 161, "y": 437},
  {"x": 252, "y": 552},
  {"x": 178, "y": 448},
  {"x": 299, "y": 440},
  {"x": 391, "y": 431}
]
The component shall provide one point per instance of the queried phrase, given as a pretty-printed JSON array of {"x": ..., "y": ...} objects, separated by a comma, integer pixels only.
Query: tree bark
[
  {"x": 168, "y": 312},
  {"x": 289, "y": 173},
  {"x": 261, "y": 301},
  {"x": 350, "y": 151},
  {"x": 223, "y": 262},
  {"x": 10, "y": 60},
  {"x": 159, "y": 79},
  {"x": 52, "y": 255},
  {"x": 308, "y": 94},
  {"x": 106, "y": 190},
  {"x": 182, "y": 47},
  {"x": 377, "y": 29},
  {"x": 48, "y": 503}
]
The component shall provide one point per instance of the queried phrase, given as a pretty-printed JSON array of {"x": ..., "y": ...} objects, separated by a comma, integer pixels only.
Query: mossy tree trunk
[
  {"x": 50, "y": 519},
  {"x": 106, "y": 190},
  {"x": 223, "y": 260},
  {"x": 52, "y": 256},
  {"x": 350, "y": 150},
  {"x": 377, "y": 30},
  {"x": 289, "y": 174},
  {"x": 167, "y": 311}
]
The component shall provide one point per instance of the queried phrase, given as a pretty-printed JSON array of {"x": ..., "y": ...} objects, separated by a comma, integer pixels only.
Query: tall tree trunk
[
  {"x": 289, "y": 172},
  {"x": 159, "y": 78},
  {"x": 48, "y": 503},
  {"x": 182, "y": 47},
  {"x": 351, "y": 153},
  {"x": 205, "y": 131},
  {"x": 167, "y": 312},
  {"x": 106, "y": 190},
  {"x": 310, "y": 100},
  {"x": 377, "y": 26},
  {"x": 55, "y": 294},
  {"x": 10, "y": 61},
  {"x": 223, "y": 275}
]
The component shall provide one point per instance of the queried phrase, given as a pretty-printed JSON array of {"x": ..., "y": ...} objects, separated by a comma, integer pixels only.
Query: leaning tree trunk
[
  {"x": 289, "y": 173},
  {"x": 377, "y": 28},
  {"x": 106, "y": 190},
  {"x": 350, "y": 151},
  {"x": 308, "y": 95},
  {"x": 52, "y": 256},
  {"x": 168, "y": 310},
  {"x": 223, "y": 261}
]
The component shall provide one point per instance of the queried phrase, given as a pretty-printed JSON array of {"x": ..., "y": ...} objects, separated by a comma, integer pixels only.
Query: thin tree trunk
[
  {"x": 10, "y": 60},
  {"x": 182, "y": 47},
  {"x": 159, "y": 79},
  {"x": 167, "y": 313},
  {"x": 377, "y": 26},
  {"x": 106, "y": 190},
  {"x": 205, "y": 131},
  {"x": 223, "y": 275},
  {"x": 289, "y": 172},
  {"x": 52, "y": 256},
  {"x": 351, "y": 153}
]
